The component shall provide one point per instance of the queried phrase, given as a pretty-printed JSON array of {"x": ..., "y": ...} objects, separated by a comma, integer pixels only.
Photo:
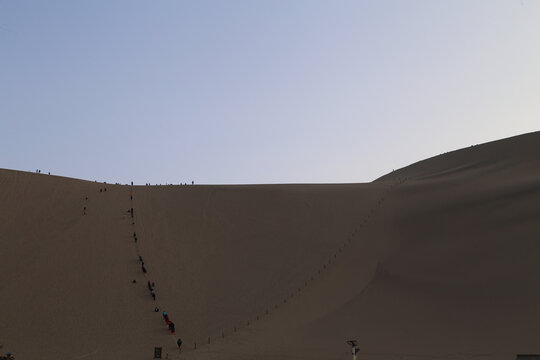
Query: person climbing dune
[
  {"x": 171, "y": 327},
  {"x": 179, "y": 343},
  {"x": 166, "y": 318}
]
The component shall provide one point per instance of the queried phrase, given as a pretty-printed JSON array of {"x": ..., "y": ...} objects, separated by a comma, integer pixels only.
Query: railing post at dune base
[{"x": 354, "y": 348}]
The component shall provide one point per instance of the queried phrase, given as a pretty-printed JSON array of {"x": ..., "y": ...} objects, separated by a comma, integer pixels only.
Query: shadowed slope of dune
[
  {"x": 220, "y": 256},
  {"x": 442, "y": 265},
  {"x": 234, "y": 252}
]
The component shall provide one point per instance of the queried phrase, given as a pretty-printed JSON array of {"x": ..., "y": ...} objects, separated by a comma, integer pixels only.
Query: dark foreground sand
[{"x": 438, "y": 260}]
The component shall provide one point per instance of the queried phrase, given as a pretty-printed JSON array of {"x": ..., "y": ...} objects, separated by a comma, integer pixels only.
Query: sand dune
[{"x": 438, "y": 260}]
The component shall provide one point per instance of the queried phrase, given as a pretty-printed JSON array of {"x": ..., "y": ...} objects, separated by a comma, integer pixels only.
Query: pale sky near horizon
[{"x": 260, "y": 91}]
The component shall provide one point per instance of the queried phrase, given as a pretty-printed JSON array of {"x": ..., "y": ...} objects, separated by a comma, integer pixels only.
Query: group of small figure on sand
[
  {"x": 148, "y": 184},
  {"x": 8, "y": 356},
  {"x": 170, "y": 324},
  {"x": 86, "y": 200},
  {"x": 151, "y": 285}
]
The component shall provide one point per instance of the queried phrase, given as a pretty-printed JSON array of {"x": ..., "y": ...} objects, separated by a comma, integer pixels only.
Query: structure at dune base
[{"x": 438, "y": 260}]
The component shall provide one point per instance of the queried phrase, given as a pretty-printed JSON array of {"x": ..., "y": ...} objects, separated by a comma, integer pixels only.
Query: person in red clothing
[{"x": 166, "y": 318}]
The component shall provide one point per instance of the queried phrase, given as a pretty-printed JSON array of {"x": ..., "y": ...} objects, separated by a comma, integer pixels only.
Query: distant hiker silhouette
[
  {"x": 140, "y": 259},
  {"x": 171, "y": 327},
  {"x": 153, "y": 293},
  {"x": 179, "y": 343},
  {"x": 143, "y": 268},
  {"x": 150, "y": 286}
]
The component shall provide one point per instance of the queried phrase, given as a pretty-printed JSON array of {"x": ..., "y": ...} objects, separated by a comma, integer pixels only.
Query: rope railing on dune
[{"x": 266, "y": 310}]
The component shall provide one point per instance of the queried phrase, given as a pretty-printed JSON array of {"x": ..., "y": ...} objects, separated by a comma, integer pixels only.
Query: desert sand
[{"x": 437, "y": 260}]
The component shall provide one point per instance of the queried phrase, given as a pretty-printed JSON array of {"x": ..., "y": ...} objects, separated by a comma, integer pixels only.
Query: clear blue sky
[{"x": 260, "y": 91}]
